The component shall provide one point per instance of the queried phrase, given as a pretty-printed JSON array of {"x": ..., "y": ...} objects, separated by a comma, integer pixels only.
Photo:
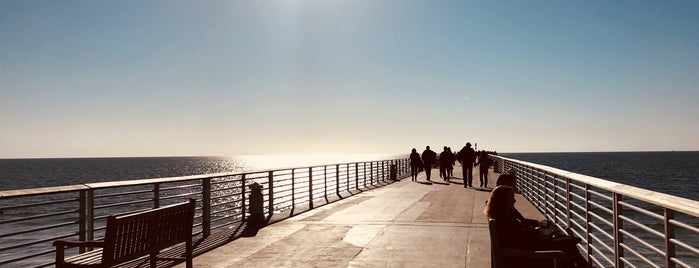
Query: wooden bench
[
  {"x": 131, "y": 236},
  {"x": 498, "y": 254}
]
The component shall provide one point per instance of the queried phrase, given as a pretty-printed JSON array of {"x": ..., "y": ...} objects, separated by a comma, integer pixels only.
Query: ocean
[
  {"x": 35, "y": 173},
  {"x": 674, "y": 173}
]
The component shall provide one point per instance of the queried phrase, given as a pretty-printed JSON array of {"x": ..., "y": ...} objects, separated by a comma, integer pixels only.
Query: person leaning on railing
[{"x": 514, "y": 233}]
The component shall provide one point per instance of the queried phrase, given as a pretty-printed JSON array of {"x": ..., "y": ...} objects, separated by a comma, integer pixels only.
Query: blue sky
[{"x": 162, "y": 78}]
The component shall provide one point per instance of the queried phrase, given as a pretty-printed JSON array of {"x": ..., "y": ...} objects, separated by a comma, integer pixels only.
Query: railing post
[
  {"x": 356, "y": 175},
  {"x": 618, "y": 225},
  {"x": 364, "y": 164},
  {"x": 383, "y": 170},
  {"x": 242, "y": 197},
  {"x": 156, "y": 195},
  {"x": 206, "y": 207},
  {"x": 337, "y": 179},
  {"x": 371, "y": 174},
  {"x": 293, "y": 188},
  {"x": 348, "y": 176},
  {"x": 669, "y": 234},
  {"x": 270, "y": 195},
  {"x": 569, "y": 188},
  {"x": 544, "y": 190},
  {"x": 554, "y": 196},
  {"x": 325, "y": 182},
  {"x": 86, "y": 214},
  {"x": 588, "y": 219},
  {"x": 310, "y": 187}
]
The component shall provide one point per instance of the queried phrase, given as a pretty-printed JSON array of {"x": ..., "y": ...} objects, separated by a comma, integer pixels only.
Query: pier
[
  {"x": 357, "y": 215},
  {"x": 403, "y": 224}
]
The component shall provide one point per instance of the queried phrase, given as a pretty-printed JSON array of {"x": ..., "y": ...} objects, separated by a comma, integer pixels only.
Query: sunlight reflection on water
[{"x": 261, "y": 162}]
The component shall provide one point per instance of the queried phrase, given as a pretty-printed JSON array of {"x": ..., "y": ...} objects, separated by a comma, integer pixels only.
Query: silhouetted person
[
  {"x": 467, "y": 156},
  {"x": 415, "y": 164},
  {"x": 450, "y": 167},
  {"x": 484, "y": 161},
  {"x": 512, "y": 233},
  {"x": 429, "y": 158},
  {"x": 445, "y": 160},
  {"x": 510, "y": 180}
]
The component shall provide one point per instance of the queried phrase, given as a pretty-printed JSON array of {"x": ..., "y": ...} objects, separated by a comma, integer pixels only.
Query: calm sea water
[
  {"x": 675, "y": 173},
  {"x": 34, "y": 173}
]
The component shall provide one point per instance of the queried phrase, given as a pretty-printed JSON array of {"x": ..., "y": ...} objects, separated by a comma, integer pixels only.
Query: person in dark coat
[
  {"x": 429, "y": 158},
  {"x": 467, "y": 156},
  {"x": 445, "y": 160},
  {"x": 450, "y": 167},
  {"x": 415, "y": 164},
  {"x": 484, "y": 161}
]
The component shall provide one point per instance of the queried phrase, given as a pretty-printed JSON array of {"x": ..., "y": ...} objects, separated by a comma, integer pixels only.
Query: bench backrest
[{"x": 137, "y": 234}]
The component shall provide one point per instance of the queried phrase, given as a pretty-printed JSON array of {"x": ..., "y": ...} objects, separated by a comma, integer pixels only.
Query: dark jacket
[
  {"x": 415, "y": 159},
  {"x": 484, "y": 161},
  {"x": 467, "y": 156},
  {"x": 446, "y": 158},
  {"x": 429, "y": 157}
]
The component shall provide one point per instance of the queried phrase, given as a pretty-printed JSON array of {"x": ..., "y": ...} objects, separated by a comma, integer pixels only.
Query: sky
[{"x": 225, "y": 78}]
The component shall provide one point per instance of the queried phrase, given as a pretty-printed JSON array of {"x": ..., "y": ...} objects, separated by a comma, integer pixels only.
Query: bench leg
[
  {"x": 153, "y": 259},
  {"x": 188, "y": 253}
]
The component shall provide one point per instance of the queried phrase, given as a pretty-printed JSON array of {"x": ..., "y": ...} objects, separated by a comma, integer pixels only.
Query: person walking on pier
[
  {"x": 415, "y": 164},
  {"x": 484, "y": 162},
  {"x": 445, "y": 160},
  {"x": 467, "y": 156},
  {"x": 450, "y": 167},
  {"x": 429, "y": 158}
]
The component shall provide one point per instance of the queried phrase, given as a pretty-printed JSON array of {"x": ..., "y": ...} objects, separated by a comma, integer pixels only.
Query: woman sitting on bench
[{"x": 514, "y": 233}]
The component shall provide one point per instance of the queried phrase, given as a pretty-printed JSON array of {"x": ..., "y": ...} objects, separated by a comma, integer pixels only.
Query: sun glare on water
[{"x": 262, "y": 162}]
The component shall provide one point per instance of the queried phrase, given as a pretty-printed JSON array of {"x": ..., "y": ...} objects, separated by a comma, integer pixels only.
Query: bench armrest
[
  {"x": 62, "y": 244},
  {"x": 74, "y": 243}
]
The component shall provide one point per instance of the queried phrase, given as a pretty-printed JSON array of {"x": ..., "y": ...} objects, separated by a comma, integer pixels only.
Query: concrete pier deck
[{"x": 404, "y": 224}]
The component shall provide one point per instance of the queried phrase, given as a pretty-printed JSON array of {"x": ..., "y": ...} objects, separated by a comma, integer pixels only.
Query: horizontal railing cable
[
  {"x": 79, "y": 212},
  {"x": 606, "y": 212}
]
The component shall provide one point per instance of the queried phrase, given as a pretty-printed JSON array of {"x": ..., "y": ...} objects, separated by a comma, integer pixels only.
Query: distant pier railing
[
  {"x": 620, "y": 225},
  {"x": 31, "y": 219}
]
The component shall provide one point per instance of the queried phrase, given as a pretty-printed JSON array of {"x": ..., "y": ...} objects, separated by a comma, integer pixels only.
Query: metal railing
[
  {"x": 31, "y": 219},
  {"x": 620, "y": 225}
]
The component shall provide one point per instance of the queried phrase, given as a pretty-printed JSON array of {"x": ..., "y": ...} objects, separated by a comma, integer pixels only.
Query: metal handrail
[
  {"x": 30, "y": 219},
  {"x": 663, "y": 230}
]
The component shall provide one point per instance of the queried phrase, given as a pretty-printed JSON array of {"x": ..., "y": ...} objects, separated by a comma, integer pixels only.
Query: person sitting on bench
[{"x": 515, "y": 233}]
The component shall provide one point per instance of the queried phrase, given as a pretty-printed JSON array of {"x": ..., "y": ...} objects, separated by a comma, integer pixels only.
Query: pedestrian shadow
[
  {"x": 424, "y": 182},
  {"x": 483, "y": 189},
  {"x": 441, "y": 183},
  {"x": 456, "y": 182}
]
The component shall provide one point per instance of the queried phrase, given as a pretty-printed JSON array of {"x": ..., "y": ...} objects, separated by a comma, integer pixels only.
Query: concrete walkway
[{"x": 405, "y": 224}]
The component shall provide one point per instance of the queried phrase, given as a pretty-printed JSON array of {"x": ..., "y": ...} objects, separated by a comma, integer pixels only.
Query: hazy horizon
[
  {"x": 332, "y": 154},
  {"x": 165, "y": 78}
]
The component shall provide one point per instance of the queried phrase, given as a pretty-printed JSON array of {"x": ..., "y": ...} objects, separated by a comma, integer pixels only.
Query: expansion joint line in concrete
[{"x": 400, "y": 223}]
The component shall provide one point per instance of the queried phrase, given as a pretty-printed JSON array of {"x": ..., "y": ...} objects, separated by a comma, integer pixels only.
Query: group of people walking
[{"x": 467, "y": 156}]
